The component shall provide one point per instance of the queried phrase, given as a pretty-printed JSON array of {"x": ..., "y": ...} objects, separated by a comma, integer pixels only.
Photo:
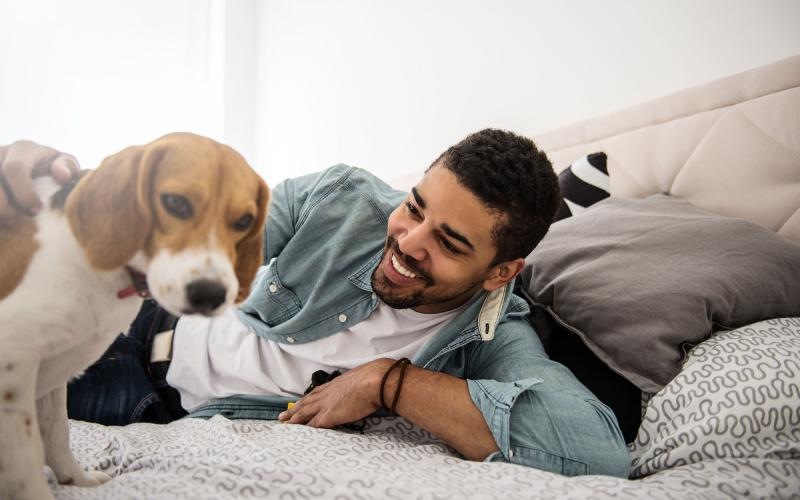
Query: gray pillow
[{"x": 641, "y": 281}]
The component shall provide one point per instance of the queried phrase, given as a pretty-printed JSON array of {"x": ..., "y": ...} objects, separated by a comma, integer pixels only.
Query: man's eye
[
  {"x": 244, "y": 222},
  {"x": 412, "y": 209},
  {"x": 449, "y": 246},
  {"x": 177, "y": 205}
]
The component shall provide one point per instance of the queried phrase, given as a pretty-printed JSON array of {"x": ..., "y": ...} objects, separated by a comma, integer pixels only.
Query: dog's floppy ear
[
  {"x": 110, "y": 211},
  {"x": 249, "y": 251}
]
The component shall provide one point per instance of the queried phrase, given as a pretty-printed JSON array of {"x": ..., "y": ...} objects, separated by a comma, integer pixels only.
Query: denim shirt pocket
[{"x": 271, "y": 301}]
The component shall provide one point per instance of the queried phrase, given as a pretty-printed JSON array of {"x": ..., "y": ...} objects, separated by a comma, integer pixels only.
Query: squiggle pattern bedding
[
  {"x": 218, "y": 458},
  {"x": 685, "y": 448},
  {"x": 737, "y": 396}
]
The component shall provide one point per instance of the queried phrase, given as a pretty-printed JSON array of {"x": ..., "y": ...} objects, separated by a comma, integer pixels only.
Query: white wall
[
  {"x": 92, "y": 77},
  {"x": 387, "y": 85}
]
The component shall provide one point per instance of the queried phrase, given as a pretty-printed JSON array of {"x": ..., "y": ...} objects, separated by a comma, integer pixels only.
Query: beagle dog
[{"x": 183, "y": 214}]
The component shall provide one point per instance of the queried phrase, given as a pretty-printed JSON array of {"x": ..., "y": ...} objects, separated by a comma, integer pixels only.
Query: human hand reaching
[
  {"x": 345, "y": 399},
  {"x": 20, "y": 162}
]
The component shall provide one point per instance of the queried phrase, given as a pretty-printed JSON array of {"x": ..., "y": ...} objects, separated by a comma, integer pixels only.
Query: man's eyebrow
[
  {"x": 456, "y": 235},
  {"x": 449, "y": 231},
  {"x": 418, "y": 198}
]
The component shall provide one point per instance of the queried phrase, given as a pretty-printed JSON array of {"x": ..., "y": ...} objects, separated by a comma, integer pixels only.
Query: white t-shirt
[{"x": 218, "y": 357}]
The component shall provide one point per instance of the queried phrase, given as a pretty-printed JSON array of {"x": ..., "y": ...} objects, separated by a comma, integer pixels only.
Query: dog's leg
[
  {"x": 21, "y": 453},
  {"x": 52, "y": 411}
]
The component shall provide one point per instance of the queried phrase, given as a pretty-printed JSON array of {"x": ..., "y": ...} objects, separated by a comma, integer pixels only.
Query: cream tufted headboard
[{"x": 731, "y": 146}]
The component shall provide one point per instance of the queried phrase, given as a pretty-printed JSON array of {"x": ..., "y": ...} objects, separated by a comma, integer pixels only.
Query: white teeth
[{"x": 400, "y": 269}]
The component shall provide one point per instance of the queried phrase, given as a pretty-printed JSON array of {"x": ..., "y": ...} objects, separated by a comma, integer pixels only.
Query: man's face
[{"x": 438, "y": 248}]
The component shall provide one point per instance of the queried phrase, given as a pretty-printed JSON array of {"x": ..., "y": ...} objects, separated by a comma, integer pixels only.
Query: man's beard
[{"x": 382, "y": 288}]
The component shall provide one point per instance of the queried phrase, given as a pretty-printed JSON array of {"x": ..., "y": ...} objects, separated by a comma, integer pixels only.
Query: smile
[{"x": 400, "y": 269}]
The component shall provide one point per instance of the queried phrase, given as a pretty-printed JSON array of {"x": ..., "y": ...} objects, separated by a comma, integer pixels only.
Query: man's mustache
[{"x": 407, "y": 261}]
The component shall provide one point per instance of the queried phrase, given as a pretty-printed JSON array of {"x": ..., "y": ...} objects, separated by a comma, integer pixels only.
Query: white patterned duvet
[{"x": 727, "y": 427}]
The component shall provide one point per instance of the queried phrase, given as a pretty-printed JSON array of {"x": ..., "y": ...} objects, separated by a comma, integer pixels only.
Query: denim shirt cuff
[{"x": 494, "y": 400}]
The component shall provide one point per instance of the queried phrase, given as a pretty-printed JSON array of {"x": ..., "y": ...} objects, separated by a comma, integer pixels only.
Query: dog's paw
[
  {"x": 91, "y": 478},
  {"x": 99, "y": 476}
]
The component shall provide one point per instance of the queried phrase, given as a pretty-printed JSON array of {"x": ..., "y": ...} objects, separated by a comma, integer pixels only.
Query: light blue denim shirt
[{"x": 324, "y": 237}]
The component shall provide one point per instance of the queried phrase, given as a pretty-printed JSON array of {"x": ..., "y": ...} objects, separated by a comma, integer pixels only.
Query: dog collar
[{"x": 137, "y": 287}]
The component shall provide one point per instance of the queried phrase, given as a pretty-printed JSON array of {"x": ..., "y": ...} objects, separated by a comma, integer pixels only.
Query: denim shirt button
[
  {"x": 273, "y": 288},
  {"x": 290, "y": 340},
  {"x": 342, "y": 318}
]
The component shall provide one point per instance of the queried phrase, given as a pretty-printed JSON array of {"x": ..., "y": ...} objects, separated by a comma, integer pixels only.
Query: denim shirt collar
[{"x": 362, "y": 278}]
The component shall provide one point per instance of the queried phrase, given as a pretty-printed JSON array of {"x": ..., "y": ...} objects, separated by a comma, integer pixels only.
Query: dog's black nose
[{"x": 205, "y": 295}]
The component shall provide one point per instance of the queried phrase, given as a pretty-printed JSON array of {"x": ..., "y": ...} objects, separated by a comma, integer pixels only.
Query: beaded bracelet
[{"x": 403, "y": 364}]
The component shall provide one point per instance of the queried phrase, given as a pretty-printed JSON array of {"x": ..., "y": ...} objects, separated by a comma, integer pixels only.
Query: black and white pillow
[{"x": 583, "y": 184}]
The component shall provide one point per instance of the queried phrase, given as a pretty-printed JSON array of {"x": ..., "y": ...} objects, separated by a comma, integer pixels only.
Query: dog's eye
[
  {"x": 177, "y": 205},
  {"x": 244, "y": 222}
]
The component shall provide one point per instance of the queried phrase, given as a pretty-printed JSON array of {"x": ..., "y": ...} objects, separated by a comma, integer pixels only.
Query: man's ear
[{"x": 502, "y": 273}]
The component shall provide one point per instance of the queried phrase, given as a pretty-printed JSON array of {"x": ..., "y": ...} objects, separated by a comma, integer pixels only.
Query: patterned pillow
[
  {"x": 738, "y": 396},
  {"x": 583, "y": 184}
]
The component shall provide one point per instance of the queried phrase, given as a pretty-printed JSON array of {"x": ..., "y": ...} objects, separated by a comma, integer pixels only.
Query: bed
[{"x": 719, "y": 373}]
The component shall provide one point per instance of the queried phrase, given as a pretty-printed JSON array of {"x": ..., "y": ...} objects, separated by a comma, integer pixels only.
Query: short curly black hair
[{"x": 512, "y": 177}]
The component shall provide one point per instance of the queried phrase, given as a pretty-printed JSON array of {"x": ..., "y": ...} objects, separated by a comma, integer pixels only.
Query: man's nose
[{"x": 412, "y": 243}]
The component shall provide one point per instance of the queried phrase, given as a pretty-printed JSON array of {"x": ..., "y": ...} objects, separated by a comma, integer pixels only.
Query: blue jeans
[{"x": 123, "y": 386}]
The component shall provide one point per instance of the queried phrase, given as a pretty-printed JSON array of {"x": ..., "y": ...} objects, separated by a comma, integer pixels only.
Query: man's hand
[
  {"x": 19, "y": 164},
  {"x": 437, "y": 402},
  {"x": 345, "y": 399}
]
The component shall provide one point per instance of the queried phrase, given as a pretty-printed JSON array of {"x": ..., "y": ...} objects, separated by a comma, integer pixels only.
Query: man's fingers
[
  {"x": 287, "y": 414},
  {"x": 302, "y": 416},
  {"x": 64, "y": 168},
  {"x": 17, "y": 174},
  {"x": 297, "y": 413},
  {"x": 22, "y": 161},
  {"x": 315, "y": 422},
  {"x": 35, "y": 158},
  {"x": 5, "y": 208}
]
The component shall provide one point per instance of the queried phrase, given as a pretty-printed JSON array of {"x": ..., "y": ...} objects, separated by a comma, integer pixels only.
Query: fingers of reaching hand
[
  {"x": 307, "y": 411},
  {"x": 319, "y": 422},
  {"x": 301, "y": 416},
  {"x": 16, "y": 176},
  {"x": 40, "y": 160},
  {"x": 294, "y": 413},
  {"x": 24, "y": 160},
  {"x": 64, "y": 167},
  {"x": 5, "y": 209},
  {"x": 5, "y": 203}
]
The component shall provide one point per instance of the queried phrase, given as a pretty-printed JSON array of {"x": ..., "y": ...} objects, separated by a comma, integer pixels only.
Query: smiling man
[
  {"x": 438, "y": 268},
  {"x": 409, "y": 295}
]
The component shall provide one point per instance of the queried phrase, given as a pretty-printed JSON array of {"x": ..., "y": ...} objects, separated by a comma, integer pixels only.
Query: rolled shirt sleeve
[
  {"x": 555, "y": 432},
  {"x": 539, "y": 414},
  {"x": 495, "y": 399}
]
